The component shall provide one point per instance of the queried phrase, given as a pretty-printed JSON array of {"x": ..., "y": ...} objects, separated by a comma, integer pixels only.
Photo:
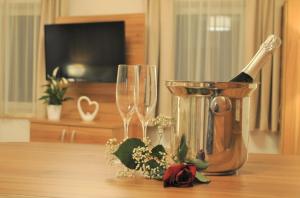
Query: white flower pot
[{"x": 53, "y": 112}]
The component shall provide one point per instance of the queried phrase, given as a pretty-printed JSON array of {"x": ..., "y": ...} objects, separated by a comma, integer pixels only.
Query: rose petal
[
  {"x": 180, "y": 175},
  {"x": 183, "y": 176},
  {"x": 193, "y": 169},
  {"x": 172, "y": 171}
]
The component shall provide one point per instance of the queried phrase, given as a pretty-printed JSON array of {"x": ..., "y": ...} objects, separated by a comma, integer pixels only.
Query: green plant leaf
[
  {"x": 182, "y": 149},
  {"x": 50, "y": 77},
  {"x": 125, "y": 150},
  {"x": 157, "y": 151},
  {"x": 201, "y": 178},
  {"x": 200, "y": 164},
  {"x": 46, "y": 97}
]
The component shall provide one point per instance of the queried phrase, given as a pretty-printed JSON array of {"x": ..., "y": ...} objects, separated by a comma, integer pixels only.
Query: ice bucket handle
[{"x": 219, "y": 105}]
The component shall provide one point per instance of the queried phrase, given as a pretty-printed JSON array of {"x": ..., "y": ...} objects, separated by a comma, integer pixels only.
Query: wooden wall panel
[
  {"x": 290, "y": 127},
  {"x": 134, "y": 32},
  {"x": 104, "y": 93}
]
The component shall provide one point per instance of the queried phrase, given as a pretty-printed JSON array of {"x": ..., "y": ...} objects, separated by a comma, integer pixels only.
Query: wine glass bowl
[
  {"x": 125, "y": 93},
  {"x": 146, "y": 94}
]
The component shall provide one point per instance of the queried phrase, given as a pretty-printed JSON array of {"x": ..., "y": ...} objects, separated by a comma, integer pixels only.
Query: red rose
[{"x": 180, "y": 175}]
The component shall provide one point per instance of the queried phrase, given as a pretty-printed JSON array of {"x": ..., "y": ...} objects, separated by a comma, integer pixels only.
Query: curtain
[
  {"x": 50, "y": 9},
  {"x": 210, "y": 39},
  {"x": 1, "y": 58},
  {"x": 264, "y": 18},
  {"x": 160, "y": 42},
  {"x": 19, "y": 22}
]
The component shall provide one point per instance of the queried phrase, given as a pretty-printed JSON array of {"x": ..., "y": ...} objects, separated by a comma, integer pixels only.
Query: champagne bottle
[{"x": 250, "y": 71}]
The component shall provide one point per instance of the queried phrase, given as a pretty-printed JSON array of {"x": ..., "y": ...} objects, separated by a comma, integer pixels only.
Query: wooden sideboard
[
  {"x": 77, "y": 131},
  {"x": 70, "y": 131}
]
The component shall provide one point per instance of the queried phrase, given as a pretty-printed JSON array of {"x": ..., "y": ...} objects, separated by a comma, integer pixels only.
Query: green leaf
[
  {"x": 200, "y": 164},
  {"x": 201, "y": 178},
  {"x": 125, "y": 150},
  {"x": 44, "y": 97},
  {"x": 153, "y": 164},
  {"x": 157, "y": 151},
  {"x": 50, "y": 77},
  {"x": 182, "y": 149}
]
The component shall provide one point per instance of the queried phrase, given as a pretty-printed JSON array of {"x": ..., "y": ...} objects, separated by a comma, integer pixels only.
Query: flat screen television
[{"x": 85, "y": 51}]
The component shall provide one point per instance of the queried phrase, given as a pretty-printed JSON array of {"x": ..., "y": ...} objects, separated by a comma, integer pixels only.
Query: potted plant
[{"x": 55, "y": 95}]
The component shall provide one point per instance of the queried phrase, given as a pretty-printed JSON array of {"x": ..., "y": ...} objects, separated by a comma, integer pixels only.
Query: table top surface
[{"x": 30, "y": 170}]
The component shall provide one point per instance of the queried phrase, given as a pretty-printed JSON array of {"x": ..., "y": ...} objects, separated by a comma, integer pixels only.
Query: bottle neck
[{"x": 257, "y": 62}]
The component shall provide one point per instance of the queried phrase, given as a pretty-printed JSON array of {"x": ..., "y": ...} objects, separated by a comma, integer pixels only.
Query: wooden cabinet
[
  {"x": 66, "y": 132},
  {"x": 47, "y": 133},
  {"x": 84, "y": 135}
]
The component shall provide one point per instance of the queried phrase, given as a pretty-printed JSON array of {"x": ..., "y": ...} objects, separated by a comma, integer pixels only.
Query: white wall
[
  {"x": 14, "y": 130},
  {"x": 105, "y": 7}
]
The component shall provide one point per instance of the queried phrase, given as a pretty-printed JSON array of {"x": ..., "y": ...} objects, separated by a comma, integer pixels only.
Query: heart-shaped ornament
[{"x": 88, "y": 117}]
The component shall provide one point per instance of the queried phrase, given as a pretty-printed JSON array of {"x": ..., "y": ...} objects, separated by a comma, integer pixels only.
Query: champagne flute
[
  {"x": 146, "y": 94},
  {"x": 125, "y": 93}
]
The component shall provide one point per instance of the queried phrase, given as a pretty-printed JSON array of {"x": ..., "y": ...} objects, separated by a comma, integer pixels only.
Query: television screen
[{"x": 85, "y": 51}]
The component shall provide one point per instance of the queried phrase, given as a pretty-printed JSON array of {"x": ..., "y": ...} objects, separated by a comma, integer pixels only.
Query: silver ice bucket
[{"x": 214, "y": 116}]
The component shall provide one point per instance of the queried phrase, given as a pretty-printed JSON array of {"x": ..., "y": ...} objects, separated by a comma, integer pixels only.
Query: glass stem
[
  {"x": 144, "y": 125},
  {"x": 126, "y": 124}
]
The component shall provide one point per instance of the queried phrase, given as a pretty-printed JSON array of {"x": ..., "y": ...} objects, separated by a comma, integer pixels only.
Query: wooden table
[{"x": 30, "y": 170}]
